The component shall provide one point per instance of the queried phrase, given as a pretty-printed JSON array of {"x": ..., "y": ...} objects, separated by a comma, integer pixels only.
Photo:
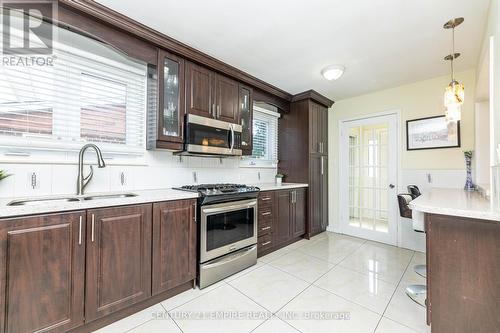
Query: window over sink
[{"x": 92, "y": 92}]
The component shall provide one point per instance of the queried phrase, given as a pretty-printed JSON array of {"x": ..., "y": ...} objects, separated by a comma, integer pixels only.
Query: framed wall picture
[{"x": 432, "y": 133}]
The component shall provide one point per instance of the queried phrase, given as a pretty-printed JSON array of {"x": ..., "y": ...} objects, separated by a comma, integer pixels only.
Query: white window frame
[
  {"x": 40, "y": 150},
  {"x": 249, "y": 161}
]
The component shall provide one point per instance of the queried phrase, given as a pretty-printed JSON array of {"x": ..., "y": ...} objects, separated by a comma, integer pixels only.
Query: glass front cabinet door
[
  {"x": 170, "y": 101},
  {"x": 246, "y": 111}
]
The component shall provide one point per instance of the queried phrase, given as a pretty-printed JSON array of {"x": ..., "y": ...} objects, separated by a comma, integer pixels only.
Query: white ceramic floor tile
[
  {"x": 188, "y": 295},
  {"x": 387, "y": 265},
  {"x": 375, "y": 249},
  {"x": 160, "y": 325},
  {"x": 134, "y": 320},
  {"x": 331, "y": 249},
  {"x": 221, "y": 310},
  {"x": 302, "y": 266},
  {"x": 275, "y": 325},
  {"x": 245, "y": 271},
  {"x": 317, "y": 310},
  {"x": 274, "y": 255},
  {"x": 269, "y": 287},
  {"x": 405, "y": 311},
  {"x": 298, "y": 244},
  {"x": 363, "y": 289},
  {"x": 410, "y": 276},
  {"x": 389, "y": 326}
]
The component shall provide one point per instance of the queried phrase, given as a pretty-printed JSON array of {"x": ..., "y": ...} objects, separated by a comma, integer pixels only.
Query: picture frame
[{"x": 432, "y": 133}]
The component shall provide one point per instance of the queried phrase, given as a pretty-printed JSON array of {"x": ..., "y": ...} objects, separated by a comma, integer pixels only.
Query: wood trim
[
  {"x": 122, "y": 22},
  {"x": 315, "y": 96}
]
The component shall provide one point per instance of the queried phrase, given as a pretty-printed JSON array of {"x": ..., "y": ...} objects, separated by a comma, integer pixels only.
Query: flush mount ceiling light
[
  {"x": 454, "y": 93},
  {"x": 333, "y": 72}
]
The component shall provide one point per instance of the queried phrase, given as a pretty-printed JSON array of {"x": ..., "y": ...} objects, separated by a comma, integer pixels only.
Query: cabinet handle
[
  {"x": 213, "y": 111},
  {"x": 266, "y": 213},
  {"x": 93, "y": 227},
  {"x": 194, "y": 209},
  {"x": 218, "y": 111},
  {"x": 266, "y": 198},
  {"x": 322, "y": 167},
  {"x": 80, "y": 231},
  {"x": 266, "y": 243},
  {"x": 265, "y": 228}
]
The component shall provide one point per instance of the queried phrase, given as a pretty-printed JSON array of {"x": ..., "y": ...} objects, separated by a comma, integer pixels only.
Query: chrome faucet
[{"x": 83, "y": 181}]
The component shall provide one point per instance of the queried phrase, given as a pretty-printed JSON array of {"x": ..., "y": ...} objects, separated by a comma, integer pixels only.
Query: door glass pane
[
  {"x": 230, "y": 227},
  {"x": 171, "y": 98},
  {"x": 245, "y": 117},
  {"x": 368, "y": 188}
]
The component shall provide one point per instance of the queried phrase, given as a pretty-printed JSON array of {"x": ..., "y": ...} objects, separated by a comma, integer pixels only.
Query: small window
[{"x": 265, "y": 138}]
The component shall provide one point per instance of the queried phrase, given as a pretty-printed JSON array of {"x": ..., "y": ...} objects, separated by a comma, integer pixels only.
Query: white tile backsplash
[{"x": 161, "y": 170}]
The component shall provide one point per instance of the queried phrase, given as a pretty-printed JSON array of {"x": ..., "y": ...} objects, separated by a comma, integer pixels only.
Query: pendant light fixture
[{"x": 454, "y": 93}]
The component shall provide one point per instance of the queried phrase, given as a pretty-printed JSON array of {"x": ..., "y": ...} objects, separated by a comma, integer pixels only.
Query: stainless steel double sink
[{"x": 37, "y": 201}]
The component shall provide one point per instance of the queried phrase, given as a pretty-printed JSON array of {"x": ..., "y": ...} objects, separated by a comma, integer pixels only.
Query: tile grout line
[{"x": 392, "y": 296}]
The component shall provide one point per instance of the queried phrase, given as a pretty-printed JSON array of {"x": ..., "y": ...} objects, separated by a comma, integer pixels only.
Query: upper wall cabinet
[
  {"x": 246, "y": 118},
  {"x": 200, "y": 90},
  {"x": 211, "y": 95},
  {"x": 166, "y": 102}
]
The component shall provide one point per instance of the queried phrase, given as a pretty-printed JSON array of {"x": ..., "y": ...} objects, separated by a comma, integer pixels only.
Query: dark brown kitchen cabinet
[
  {"x": 290, "y": 211},
  {"x": 246, "y": 118},
  {"x": 42, "y": 273},
  {"x": 118, "y": 268},
  {"x": 283, "y": 223},
  {"x": 171, "y": 103},
  {"x": 212, "y": 95},
  {"x": 200, "y": 95},
  {"x": 299, "y": 202},
  {"x": 174, "y": 244},
  {"x": 305, "y": 131},
  {"x": 226, "y": 99}
]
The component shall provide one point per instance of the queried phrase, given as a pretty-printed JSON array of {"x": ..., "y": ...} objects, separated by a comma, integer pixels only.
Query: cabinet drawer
[
  {"x": 264, "y": 242},
  {"x": 266, "y": 199},
  {"x": 265, "y": 227}
]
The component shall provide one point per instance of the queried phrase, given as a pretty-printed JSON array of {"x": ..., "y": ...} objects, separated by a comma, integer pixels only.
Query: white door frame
[{"x": 343, "y": 179}]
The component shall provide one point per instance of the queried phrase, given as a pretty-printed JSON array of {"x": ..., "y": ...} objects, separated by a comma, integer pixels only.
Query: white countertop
[
  {"x": 145, "y": 196},
  {"x": 284, "y": 186},
  {"x": 456, "y": 202}
]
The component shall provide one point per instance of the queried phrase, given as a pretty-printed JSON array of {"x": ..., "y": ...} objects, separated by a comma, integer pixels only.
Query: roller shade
[{"x": 265, "y": 135}]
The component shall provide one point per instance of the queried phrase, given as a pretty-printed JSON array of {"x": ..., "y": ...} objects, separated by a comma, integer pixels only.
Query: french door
[{"x": 369, "y": 178}]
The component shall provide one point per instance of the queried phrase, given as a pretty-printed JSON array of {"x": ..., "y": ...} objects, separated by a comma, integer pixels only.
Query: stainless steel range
[{"x": 227, "y": 231}]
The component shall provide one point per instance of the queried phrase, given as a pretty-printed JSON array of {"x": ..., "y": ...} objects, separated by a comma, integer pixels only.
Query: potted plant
[
  {"x": 469, "y": 185},
  {"x": 279, "y": 179}
]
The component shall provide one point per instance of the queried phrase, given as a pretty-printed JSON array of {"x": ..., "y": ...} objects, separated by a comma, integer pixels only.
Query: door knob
[{"x": 392, "y": 186}]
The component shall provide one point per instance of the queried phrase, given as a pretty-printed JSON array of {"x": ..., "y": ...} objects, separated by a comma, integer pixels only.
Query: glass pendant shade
[
  {"x": 453, "y": 113},
  {"x": 454, "y": 94}
]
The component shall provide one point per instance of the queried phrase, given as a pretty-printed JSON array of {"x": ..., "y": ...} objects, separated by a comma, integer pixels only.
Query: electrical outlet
[
  {"x": 33, "y": 180},
  {"x": 123, "y": 179}
]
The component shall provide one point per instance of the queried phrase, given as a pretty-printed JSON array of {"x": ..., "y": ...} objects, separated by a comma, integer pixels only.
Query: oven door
[
  {"x": 227, "y": 227},
  {"x": 211, "y": 136}
]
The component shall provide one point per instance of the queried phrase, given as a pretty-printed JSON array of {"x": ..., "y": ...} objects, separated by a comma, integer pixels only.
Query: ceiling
[{"x": 382, "y": 43}]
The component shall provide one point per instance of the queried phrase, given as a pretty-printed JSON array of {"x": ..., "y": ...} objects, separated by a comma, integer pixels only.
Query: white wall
[
  {"x": 417, "y": 100},
  {"x": 482, "y": 144},
  {"x": 161, "y": 170}
]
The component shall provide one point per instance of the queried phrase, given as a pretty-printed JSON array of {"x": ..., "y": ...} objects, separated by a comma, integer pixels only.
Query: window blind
[
  {"x": 265, "y": 135},
  {"x": 92, "y": 93}
]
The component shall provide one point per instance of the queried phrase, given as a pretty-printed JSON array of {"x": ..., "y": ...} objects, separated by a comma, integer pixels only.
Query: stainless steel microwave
[{"x": 208, "y": 136}]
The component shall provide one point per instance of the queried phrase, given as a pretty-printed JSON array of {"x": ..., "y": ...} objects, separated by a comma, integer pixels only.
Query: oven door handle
[
  {"x": 227, "y": 259},
  {"x": 228, "y": 208}
]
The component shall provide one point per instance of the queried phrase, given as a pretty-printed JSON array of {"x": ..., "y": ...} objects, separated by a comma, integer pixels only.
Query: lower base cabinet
[
  {"x": 118, "y": 272},
  {"x": 282, "y": 218},
  {"x": 174, "y": 244},
  {"x": 62, "y": 271},
  {"x": 42, "y": 267}
]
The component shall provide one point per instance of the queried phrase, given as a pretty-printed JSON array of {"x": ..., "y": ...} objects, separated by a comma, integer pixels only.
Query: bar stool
[
  {"x": 415, "y": 193},
  {"x": 417, "y": 292}
]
